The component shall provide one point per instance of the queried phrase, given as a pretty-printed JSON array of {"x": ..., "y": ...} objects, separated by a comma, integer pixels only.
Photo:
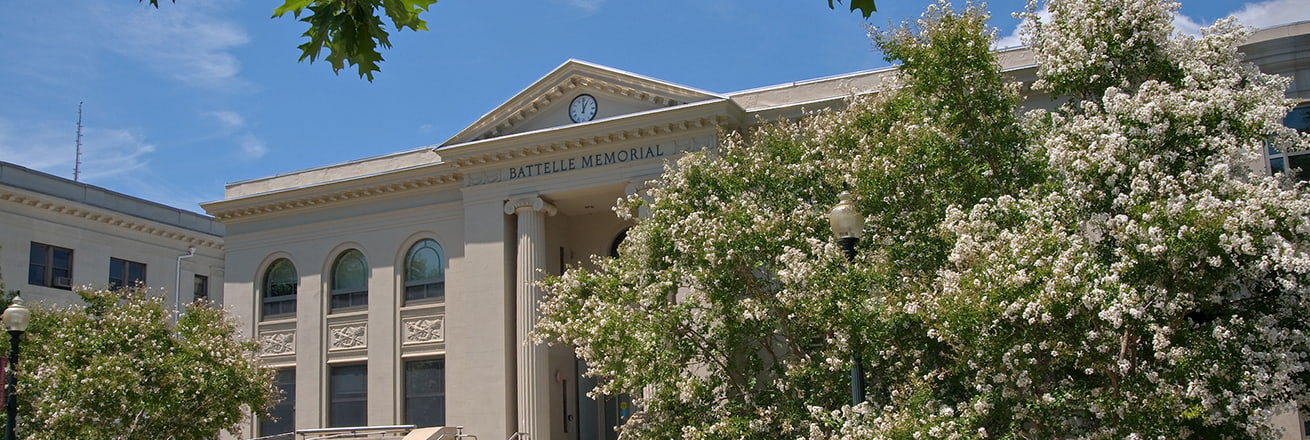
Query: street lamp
[
  {"x": 848, "y": 226},
  {"x": 15, "y": 319}
]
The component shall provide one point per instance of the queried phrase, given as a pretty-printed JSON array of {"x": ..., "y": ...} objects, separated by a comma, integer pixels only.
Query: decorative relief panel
[
  {"x": 348, "y": 336},
  {"x": 482, "y": 178},
  {"x": 423, "y": 330},
  {"x": 274, "y": 343}
]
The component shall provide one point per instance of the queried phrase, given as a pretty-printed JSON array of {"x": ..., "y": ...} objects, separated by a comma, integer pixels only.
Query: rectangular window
[
  {"x": 123, "y": 273},
  {"x": 201, "y": 289},
  {"x": 347, "y": 300},
  {"x": 281, "y": 418},
  {"x": 50, "y": 266},
  {"x": 1295, "y": 163},
  {"x": 424, "y": 291},
  {"x": 425, "y": 392},
  {"x": 348, "y": 395}
]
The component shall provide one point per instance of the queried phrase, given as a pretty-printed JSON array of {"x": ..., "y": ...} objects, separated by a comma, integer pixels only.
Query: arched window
[
  {"x": 280, "y": 283},
  {"x": 425, "y": 272},
  {"x": 349, "y": 280}
]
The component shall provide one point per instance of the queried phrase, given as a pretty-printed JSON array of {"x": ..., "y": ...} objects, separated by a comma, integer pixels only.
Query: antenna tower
[{"x": 77, "y": 161}]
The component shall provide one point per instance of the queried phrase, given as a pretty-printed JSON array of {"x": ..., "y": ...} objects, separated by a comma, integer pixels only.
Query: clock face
[{"x": 583, "y": 108}]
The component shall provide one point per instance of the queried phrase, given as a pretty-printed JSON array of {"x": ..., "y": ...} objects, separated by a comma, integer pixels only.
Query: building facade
[
  {"x": 57, "y": 235},
  {"x": 401, "y": 289}
]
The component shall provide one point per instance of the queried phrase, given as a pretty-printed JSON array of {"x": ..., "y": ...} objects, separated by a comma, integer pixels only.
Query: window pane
[
  {"x": 349, "y": 280},
  {"x": 37, "y": 265},
  {"x": 123, "y": 273},
  {"x": 415, "y": 292},
  {"x": 61, "y": 262},
  {"x": 425, "y": 392},
  {"x": 1301, "y": 161},
  {"x": 279, "y": 289},
  {"x": 348, "y": 396},
  {"x": 200, "y": 290},
  {"x": 425, "y": 262},
  {"x": 350, "y": 272},
  {"x": 282, "y": 417},
  {"x": 425, "y": 271},
  {"x": 1298, "y": 118},
  {"x": 116, "y": 273},
  {"x": 136, "y": 273}
]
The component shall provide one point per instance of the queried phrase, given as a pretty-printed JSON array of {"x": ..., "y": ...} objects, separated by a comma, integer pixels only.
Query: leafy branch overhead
[
  {"x": 352, "y": 30},
  {"x": 866, "y": 7}
]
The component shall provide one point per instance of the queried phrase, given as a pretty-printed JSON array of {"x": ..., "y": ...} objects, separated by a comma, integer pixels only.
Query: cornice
[
  {"x": 576, "y": 81},
  {"x": 123, "y": 221},
  {"x": 259, "y": 205},
  {"x": 611, "y": 137}
]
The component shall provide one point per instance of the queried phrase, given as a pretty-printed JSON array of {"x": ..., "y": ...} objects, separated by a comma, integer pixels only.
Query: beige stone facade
[
  {"x": 519, "y": 194},
  {"x": 57, "y": 235}
]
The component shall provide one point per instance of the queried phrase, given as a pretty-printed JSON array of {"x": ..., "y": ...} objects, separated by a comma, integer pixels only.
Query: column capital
[
  {"x": 534, "y": 203},
  {"x": 639, "y": 186}
]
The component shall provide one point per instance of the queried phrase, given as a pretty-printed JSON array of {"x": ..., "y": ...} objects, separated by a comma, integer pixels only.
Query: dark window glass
[
  {"x": 350, "y": 281},
  {"x": 281, "y": 417},
  {"x": 1298, "y": 118},
  {"x": 425, "y": 272},
  {"x": 279, "y": 296},
  {"x": 126, "y": 274},
  {"x": 1295, "y": 163},
  {"x": 200, "y": 291},
  {"x": 348, "y": 395},
  {"x": 425, "y": 392},
  {"x": 1301, "y": 163},
  {"x": 50, "y": 266}
]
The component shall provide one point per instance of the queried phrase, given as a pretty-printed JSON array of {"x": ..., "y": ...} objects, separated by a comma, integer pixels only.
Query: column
[{"x": 533, "y": 369}]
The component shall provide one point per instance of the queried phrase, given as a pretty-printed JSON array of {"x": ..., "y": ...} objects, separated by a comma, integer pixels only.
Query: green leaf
[
  {"x": 866, "y": 7},
  {"x": 352, "y": 30},
  {"x": 293, "y": 6}
]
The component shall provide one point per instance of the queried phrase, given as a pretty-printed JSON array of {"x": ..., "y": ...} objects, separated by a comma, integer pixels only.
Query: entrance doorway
[{"x": 598, "y": 418}]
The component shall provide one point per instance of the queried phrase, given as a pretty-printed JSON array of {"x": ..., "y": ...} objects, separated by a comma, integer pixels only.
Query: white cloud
[
  {"x": 252, "y": 147},
  {"x": 106, "y": 153},
  {"x": 588, "y": 6},
  {"x": 227, "y": 118},
  {"x": 1259, "y": 15},
  {"x": 189, "y": 42},
  {"x": 232, "y": 127},
  {"x": 1013, "y": 39},
  {"x": 1186, "y": 25},
  {"x": 113, "y": 158},
  {"x": 1273, "y": 13}
]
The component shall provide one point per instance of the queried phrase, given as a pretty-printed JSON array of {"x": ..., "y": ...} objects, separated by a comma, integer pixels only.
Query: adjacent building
[{"x": 57, "y": 235}]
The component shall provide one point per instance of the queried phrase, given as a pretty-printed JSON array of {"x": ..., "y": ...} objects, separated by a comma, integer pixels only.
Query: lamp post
[
  {"x": 848, "y": 225},
  {"x": 15, "y": 319}
]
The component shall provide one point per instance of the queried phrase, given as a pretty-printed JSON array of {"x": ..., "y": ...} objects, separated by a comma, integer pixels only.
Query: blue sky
[{"x": 181, "y": 100}]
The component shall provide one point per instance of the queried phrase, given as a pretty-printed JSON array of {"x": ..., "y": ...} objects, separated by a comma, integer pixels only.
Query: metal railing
[
  {"x": 353, "y": 432},
  {"x": 282, "y": 436},
  {"x": 459, "y": 433}
]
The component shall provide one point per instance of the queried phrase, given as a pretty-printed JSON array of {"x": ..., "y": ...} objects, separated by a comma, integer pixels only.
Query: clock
[{"x": 583, "y": 108}]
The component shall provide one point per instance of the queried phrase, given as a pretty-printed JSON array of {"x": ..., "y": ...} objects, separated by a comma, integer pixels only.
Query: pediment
[{"x": 544, "y": 104}]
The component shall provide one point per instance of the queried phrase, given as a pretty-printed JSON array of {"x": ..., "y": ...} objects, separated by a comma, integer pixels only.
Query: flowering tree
[
  {"x": 1113, "y": 268},
  {"x": 1156, "y": 284},
  {"x": 118, "y": 368}
]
